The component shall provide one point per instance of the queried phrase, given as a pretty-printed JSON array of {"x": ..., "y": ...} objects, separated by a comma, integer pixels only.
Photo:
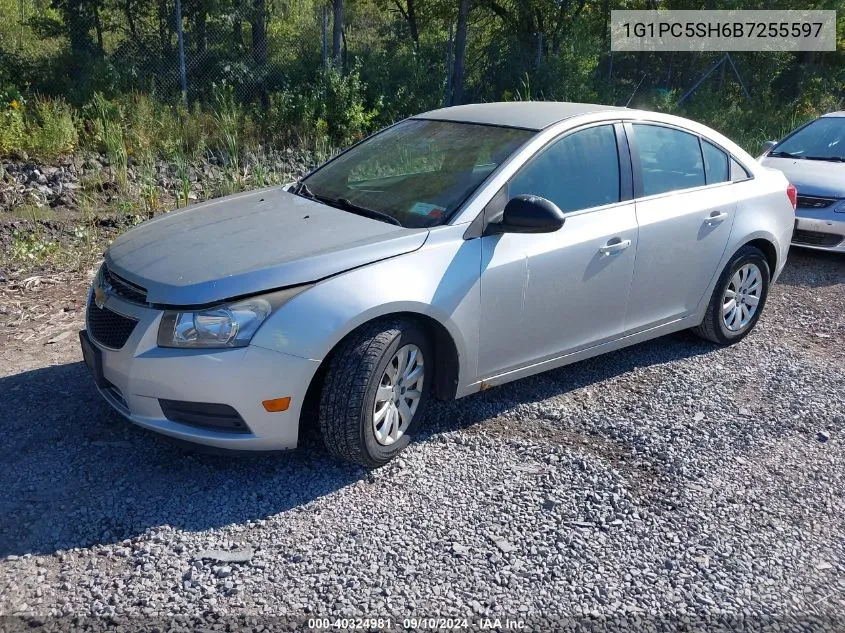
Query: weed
[
  {"x": 148, "y": 185},
  {"x": 109, "y": 132},
  {"x": 259, "y": 173},
  {"x": 31, "y": 248},
  {"x": 228, "y": 116},
  {"x": 183, "y": 168}
]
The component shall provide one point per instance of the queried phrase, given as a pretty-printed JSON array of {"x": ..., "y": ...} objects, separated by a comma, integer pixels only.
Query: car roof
[
  {"x": 530, "y": 115},
  {"x": 840, "y": 114}
]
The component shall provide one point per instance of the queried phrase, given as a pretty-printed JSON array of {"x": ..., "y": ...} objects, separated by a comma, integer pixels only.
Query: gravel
[
  {"x": 667, "y": 483},
  {"x": 58, "y": 186}
]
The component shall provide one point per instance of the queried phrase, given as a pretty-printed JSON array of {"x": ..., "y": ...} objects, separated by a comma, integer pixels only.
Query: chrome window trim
[{"x": 475, "y": 205}]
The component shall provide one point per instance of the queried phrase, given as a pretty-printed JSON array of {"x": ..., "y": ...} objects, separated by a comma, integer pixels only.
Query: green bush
[
  {"x": 53, "y": 129},
  {"x": 291, "y": 118},
  {"x": 12, "y": 128},
  {"x": 43, "y": 128},
  {"x": 347, "y": 118}
]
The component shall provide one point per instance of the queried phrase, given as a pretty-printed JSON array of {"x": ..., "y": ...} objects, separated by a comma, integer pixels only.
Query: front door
[{"x": 544, "y": 295}]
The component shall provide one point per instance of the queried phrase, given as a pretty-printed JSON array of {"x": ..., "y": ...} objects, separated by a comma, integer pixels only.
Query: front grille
[
  {"x": 814, "y": 202},
  {"x": 123, "y": 288},
  {"x": 109, "y": 328},
  {"x": 217, "y": 417},
  {"x": 816, "y": 238}
]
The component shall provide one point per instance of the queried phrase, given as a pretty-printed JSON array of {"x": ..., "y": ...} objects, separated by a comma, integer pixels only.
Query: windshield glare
[
  {"x": 823, "y": 138},
  {"x": 419, "y": 171}
]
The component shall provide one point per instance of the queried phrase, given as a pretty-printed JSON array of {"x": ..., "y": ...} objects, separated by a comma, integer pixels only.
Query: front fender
[{"x": 440, "y": 281}]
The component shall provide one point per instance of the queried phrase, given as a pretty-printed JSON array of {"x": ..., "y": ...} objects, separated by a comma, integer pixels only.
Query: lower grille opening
[
  {"x": 215, "y": 417},
  {"x": 115, "y": 393},
  {"x": 816, "y": 238}
]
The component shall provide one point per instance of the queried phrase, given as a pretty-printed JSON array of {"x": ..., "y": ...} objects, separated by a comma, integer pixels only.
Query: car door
[
  {"x": 685, "y": 210},
  {"x": 543, "y": 295}
]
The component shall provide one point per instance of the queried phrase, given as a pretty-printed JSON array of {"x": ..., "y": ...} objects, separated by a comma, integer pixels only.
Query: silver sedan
[
  {"x": 451, "y": 252},
  {"x": 813, "y": 159}
]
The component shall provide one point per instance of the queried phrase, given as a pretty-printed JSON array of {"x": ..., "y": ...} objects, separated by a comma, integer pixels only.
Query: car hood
[
  {"x": 811, "y": 177},
  {"x": 250, "y": 243}
]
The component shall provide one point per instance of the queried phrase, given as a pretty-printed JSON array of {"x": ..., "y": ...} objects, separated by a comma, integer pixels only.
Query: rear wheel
[
  {"x": 375, "y": 392},
  {"x": 738, "y": 298}
]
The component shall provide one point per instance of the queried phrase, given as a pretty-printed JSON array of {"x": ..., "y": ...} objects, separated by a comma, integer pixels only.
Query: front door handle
[
  {"x": 715, "y": 218},
  {"x": 614, "y": 247}
]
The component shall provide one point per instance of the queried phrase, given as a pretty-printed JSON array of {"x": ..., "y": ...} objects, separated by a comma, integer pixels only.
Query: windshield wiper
[
  {"x": 301, "y": 189},
  {"x": 782, "y": 154},
  {"x": 833, "y": 159},
  {"x": 347, "y": 205}
]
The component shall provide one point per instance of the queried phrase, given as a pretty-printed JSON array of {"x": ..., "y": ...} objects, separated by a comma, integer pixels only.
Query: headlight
[
  {"x": 227, "y": 325},
  {"x": 840, "y": 208}
]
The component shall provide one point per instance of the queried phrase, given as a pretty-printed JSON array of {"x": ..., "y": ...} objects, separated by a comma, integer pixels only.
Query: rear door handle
[
  {"x": 614, "y": 247},
  {"x": 715, "y": 218}
]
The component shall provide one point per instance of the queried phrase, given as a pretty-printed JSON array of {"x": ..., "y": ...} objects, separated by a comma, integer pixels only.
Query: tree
[
  {"x": 259, "y": 46},
  {"x": 408, "y": 10},
  {"x": 337, "y": 30},
  {"x": 460, "y": 54}
]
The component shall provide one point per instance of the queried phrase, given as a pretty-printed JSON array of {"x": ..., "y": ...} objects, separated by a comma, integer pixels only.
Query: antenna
[{"x": 635, "y": 91}]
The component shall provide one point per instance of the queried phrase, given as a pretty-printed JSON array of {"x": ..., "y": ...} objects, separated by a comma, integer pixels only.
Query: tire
[
  {"x": 356, "y": 371},
  {"x": 714, "y": 326}
]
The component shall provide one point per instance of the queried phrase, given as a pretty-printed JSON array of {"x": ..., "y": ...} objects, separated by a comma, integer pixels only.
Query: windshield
[
  {"x": 823, "y": 139},
  {"x": 415, "y": 173}
]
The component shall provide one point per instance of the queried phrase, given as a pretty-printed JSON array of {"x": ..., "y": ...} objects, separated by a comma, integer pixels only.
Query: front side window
[
  {"x": 579, "y": 171},
  {"x": 416, "y": 173},
  {"x": 669, "y": 159}
]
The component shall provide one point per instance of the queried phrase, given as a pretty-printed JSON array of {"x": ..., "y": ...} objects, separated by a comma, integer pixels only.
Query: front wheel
[
  {"x": 375, "y": 391},
  {"x": 738, "y": 298}
]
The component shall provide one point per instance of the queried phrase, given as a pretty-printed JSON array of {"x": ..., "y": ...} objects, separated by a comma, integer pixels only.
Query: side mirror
[
  {"x": 528, "y": 214},
  {"x": 770, "y": 144}
]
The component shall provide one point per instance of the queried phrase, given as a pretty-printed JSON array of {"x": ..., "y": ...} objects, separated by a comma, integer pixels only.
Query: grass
[{"x": 31, "y": 212}]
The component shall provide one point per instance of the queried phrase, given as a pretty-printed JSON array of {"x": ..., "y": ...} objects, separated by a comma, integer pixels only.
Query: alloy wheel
[
  {"x": 741, "y": 297},
  {"x": 398, "y": 395}
]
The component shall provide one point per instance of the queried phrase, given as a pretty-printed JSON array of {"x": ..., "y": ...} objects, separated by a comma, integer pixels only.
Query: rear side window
[
  {"x": 579, "y": 171},
  {"x": 715, "y": 163},
  {"x": 670, "y": 159}
]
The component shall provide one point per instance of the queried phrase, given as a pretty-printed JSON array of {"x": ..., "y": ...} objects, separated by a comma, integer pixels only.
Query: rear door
[{"x": 685, "y": 209}]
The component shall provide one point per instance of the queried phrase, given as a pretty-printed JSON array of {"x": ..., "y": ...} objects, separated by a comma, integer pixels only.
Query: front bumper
[
  {"x": 140, "y": 375},
  {"x": 821, "y": 229}
]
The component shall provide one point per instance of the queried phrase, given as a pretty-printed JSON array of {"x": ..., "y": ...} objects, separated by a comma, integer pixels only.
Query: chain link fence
[{"x": 175, "y": 49}]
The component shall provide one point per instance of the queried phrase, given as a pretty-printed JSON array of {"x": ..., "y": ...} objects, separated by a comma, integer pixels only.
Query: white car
[
  {"x": 813, "y": 159},
  {"x": 456, "y": 250}
]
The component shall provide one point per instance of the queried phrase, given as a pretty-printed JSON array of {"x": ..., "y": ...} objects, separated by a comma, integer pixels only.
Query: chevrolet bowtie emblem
[{"x": 100, "y": 296}]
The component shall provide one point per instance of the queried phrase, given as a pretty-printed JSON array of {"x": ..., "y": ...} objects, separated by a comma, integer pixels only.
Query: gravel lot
[{"x": 670, "y": 480}]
